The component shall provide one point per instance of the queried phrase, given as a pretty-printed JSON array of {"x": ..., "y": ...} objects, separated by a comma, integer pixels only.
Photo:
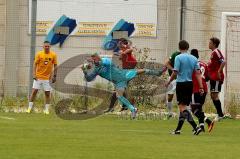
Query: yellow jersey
[{"x": 44, "y": 64}]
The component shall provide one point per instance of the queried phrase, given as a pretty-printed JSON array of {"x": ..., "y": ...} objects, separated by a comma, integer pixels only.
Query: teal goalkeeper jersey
[{"x": 107, "y": 70}]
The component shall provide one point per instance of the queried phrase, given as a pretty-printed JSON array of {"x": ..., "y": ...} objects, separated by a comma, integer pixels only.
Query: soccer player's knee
[
  {"x": 47, "y": 94},
  {"x": 181, "y": 117},
  {"x": 34, "y": 92}
]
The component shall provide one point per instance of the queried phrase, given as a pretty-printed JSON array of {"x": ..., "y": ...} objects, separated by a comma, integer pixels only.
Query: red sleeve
[{"x": 217, "y": 55}]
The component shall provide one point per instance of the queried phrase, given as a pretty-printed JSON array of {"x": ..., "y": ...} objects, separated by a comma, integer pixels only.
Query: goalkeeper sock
[
  {"x": 154, "y": 72},
  {"x": 125, "y": 102}
]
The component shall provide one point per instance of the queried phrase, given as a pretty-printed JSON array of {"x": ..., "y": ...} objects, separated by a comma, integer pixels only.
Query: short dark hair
[
  {"x": 194, "y": 52},
  {"x": 46, "y": 42},
  {"x": 95, "y": 54},
  {"x": 124, "y": 41},
  {"x": 183, "y": 45},
  {"x": 215, "y": 41}
]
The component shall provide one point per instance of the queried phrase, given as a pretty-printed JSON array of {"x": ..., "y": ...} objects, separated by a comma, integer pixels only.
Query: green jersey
[{"x": 172, "y": 59}]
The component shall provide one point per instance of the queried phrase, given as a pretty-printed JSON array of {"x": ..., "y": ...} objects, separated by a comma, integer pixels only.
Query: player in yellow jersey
[{"x": 44, "y": 64}]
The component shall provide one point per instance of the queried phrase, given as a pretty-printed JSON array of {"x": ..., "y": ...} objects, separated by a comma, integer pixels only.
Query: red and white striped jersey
[
  {"x": 214, "y": 65},
  {"x": 204, "y": 72}
]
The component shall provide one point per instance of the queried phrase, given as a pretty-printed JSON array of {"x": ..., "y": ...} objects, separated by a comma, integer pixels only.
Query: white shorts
[
  {"x": 172, "y": 87},
  {"x": 42, "y": 84}
]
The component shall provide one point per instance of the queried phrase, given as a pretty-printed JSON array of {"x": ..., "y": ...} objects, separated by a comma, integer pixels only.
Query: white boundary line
[
  {"x": 7, "y": 118},
  {"x": 141, "y": 131}
]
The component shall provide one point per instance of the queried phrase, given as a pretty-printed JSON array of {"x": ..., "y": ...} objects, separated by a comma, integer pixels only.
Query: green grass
[{"x": 36, "y": 136}]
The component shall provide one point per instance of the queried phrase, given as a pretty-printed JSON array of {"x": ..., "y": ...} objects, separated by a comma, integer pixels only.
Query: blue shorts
[{"x": 129, "y": 76}]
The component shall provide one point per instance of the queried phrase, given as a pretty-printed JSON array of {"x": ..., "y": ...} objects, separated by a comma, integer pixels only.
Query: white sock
[
  {"x": 47, "y": 106},
  {"x": 169, "y": 107},
  {"x": 30, "y": 105}
]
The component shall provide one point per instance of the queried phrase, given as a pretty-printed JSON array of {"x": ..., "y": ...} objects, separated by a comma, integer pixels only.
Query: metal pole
[
  {"x": 33, "y": 42},
  {"x": 182, "y": 19}
]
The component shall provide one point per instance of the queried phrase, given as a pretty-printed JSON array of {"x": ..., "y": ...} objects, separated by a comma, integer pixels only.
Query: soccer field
[{"x": 36, "y": 136}]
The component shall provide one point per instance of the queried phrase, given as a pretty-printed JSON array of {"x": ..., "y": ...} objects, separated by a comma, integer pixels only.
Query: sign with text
[
  {"x": 93, "y": 28},
  {"x": 97, "y": 17}
]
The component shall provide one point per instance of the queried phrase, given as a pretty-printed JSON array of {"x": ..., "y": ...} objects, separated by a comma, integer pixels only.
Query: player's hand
[
  {"x": 201, "y": 91},
  {"x": 164, "y": 69},
  {"x": 85, "y": 67},
  {"x": 54, "y": 79}
]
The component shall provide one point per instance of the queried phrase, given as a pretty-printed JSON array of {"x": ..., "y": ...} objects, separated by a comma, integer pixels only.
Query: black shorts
[
  {"x": 215, "y": 86},
  {"x": 184, "y": 92},
  {"x": 198, "y": 99}
]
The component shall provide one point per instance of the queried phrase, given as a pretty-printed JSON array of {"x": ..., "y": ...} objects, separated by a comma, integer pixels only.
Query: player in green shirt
[{"x": 172, "y": 87}]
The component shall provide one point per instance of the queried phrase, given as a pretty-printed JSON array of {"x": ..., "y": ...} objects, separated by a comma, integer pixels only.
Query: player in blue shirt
[{"x": 184, "y": 66}]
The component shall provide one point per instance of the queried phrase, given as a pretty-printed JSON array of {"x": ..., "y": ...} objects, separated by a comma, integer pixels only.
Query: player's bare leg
[
  {"x": 31, "y": 100},
  {"x": 47, "y": 98}
]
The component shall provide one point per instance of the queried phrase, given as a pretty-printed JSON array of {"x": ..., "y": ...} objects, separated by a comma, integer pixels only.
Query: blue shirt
[{"x": 185, "y": 64}]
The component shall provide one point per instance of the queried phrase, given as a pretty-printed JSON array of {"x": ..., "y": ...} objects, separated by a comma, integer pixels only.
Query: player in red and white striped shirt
[
  {"x": 215, "y": 73},
  {"x": 199, "y": 99}
]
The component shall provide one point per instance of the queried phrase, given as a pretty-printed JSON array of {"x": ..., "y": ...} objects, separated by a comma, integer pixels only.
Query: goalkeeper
[{"x": 119, "y": 77}]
